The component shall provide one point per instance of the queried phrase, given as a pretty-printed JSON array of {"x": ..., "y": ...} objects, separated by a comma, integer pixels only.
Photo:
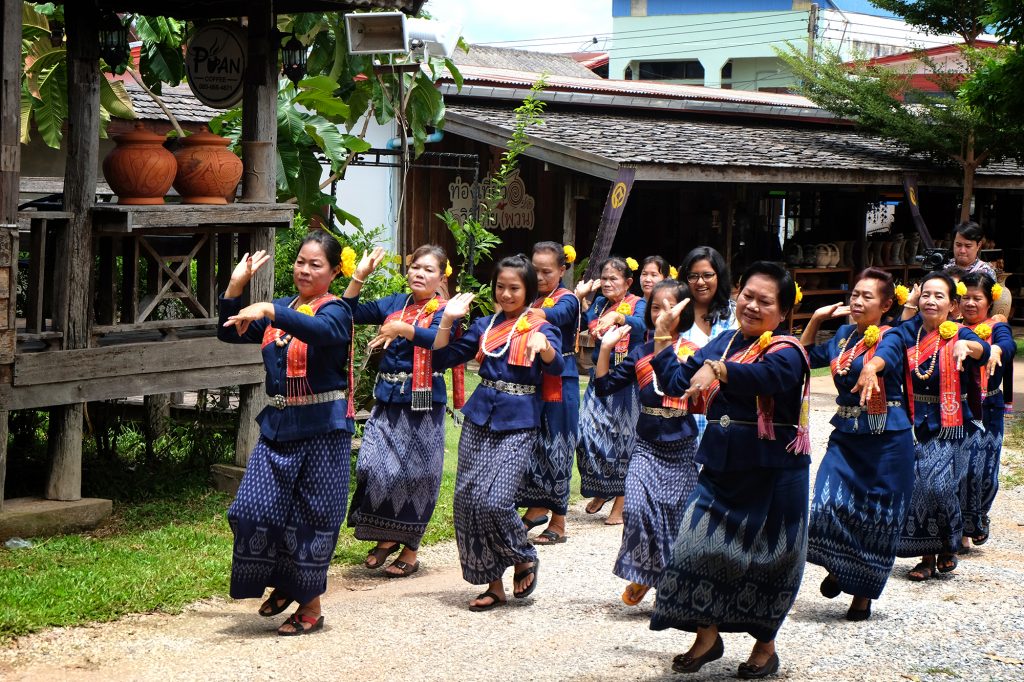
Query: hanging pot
[
  {"x": 208, "y": 172},
  {"x": 139, "y": 169}
]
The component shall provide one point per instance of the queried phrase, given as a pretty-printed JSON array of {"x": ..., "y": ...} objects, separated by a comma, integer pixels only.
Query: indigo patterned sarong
[
  {"x": 739, "y": 557},
  {"x": 861, "y": 497},
  {"x": 982, "y": 480},
  {"x": 287, "y": 514},
  {"x": 547, "y": 481},
  {"x": 934, "y": 522},
  {"x": 488, "y": 530},
  {"x": 398, "y": 474},
  {"x": 607, "y": 437},
  {"x": 660, "y": 479}
]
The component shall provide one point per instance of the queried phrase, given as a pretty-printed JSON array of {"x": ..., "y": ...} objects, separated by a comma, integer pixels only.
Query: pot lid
[
  {"x": 204, "y": 138},
  {"x": 141, "y": 135}
]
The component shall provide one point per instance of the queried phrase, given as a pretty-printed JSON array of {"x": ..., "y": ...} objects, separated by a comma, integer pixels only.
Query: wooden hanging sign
[{"x": 215, "y": 64}]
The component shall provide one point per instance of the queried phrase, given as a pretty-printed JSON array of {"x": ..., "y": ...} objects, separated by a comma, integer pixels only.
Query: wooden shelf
[{"x": 825, "y": 292}]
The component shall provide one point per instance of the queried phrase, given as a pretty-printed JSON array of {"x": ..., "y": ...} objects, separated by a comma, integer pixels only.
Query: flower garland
[
  {"x": 624, "y": 308},
  {"x": 983, "y": 331},
  {"x": 948, "y": 330},
  {"x": 548, "y": 302},
  {"x": 764, "y": 340},
  {"x": 871, "y": 336},
  {"x": 508, "y": 342}
]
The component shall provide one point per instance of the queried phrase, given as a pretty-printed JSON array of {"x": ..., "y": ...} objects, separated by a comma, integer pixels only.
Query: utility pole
[{"x": 812, "y": 30}]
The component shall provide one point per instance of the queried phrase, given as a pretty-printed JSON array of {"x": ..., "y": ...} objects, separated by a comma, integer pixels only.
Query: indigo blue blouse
[
  {"x": 565, "y": 315},
  {"x": 737, "y": 447},
  {"x": 398, "y": 356},
  {"x": 637, "y": 326},
  {"x": 1002, "y": 376},
  {"x": 328, "y": 334},
  {"x": 891, "y": 349},
  {"x": 928, "y": 416},
  {"x": 649, "y": 427},
  {"x": 502, "y": 411}
]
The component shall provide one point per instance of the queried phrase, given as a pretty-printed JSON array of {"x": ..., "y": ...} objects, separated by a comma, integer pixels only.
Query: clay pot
[
  {"x": 139, "y": 169},
  {"x": 207, "y": 170}
]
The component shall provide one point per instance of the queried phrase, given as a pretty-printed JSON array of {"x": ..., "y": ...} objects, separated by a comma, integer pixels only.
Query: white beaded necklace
[
  {"x": 419, "y": 314},
  {"x": 508, "y": 342}
]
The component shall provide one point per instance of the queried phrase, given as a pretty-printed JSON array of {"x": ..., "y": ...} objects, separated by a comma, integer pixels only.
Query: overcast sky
[{"x": 571, "y": 22}]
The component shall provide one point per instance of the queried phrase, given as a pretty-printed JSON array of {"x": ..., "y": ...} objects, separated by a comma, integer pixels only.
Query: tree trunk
[
  {"x": 965, "y": 206},
  {"x": 158, "y": 415}
]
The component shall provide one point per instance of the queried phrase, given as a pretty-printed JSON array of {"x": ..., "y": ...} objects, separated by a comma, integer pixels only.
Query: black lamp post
[
  {"x": 293, "y": 58},
  {"x": 113, "y": 41}
]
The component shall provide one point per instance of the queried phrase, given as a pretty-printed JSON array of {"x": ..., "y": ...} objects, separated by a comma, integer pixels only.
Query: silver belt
[
  {"x": 989, "y": 394},
  {"x": 666, "y": 412},
  {"x": 401, "y": 377},
  {"x": 281, "y": 402},
  {"x": 509, "y": 387},
  {"x": 725, "y": 421},
  {"x": 569, "y": 354},
  {"x": 854, "y": 411},
  {"x": 933, "y": 399}
]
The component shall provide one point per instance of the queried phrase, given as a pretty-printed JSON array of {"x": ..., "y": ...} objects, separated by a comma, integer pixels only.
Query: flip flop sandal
[
  {"x": 533, "y": 523},
  {"x": 924, "y": 572},
  {"x": 634, "y": 594},
  {"x": 946, "y": 563},
  {"x": 496, "y": 601},
  {"x": 590, "y": 505},
  {"x": 296, "y": 621},
  {"x": 609, "y": 522},
  {"x": 380, "y": 555},
  {"x": 522, "y": 575},
  {"x": 273, "y": 606},
  {"x": 405, "y": 568},
  {"x": 549, "y": 537}
]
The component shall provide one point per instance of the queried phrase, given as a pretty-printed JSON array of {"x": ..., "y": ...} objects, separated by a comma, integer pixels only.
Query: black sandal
[
  {"x": 296, "y": 620},
  {"x": 273, "y": 606},
  {"x": 924, "y": 572},
  {"x": 380, "y": 555},
  {"x": 533, "y": 523},
  {"x": 946, "y": 563},
  {"x": 405, "y": 567},
  {"x": 495, "y": 602},
  {"x": 523, "y": 575}
]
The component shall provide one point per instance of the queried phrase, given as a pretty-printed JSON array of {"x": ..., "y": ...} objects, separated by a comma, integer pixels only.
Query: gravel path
[{"x": 968, "y": 625}]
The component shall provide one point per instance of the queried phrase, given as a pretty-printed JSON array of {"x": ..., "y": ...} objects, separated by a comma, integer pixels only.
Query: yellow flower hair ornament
[
  {"x": 871, "y": 336},
  {"x": 799, "y": 294},
  {"x": 624, "y": 308},
  {"x": 997, "y": 291},
  {"x": 448, "y": 268},
  {"x": 305, "y": 309},
  {"x": 961, "y": 289},
  {"x": 523, "y": 324},
  {"x": 632, "y": 264},
  {"x": 948, "y": 329},
  {"x": 764, "y": 340},
  {"x": 548, "y": 302},
  {"x": 570, "y": 253},
  {"x": 431, "y": 306},
  {"x": 902, "y": 294},
  {"x": 348, "y": 261},
  {"x": 672, "y": 272}
]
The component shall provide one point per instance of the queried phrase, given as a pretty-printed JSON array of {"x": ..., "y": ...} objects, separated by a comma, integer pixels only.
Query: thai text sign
[{"x": 514, "y": 208}]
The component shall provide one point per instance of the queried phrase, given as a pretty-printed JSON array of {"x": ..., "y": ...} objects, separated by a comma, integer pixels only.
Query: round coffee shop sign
[{"x": 215, "y": 64}]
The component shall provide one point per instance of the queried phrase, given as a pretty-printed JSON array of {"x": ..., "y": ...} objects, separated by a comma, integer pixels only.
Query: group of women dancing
[{"x": 694, "y": 425}]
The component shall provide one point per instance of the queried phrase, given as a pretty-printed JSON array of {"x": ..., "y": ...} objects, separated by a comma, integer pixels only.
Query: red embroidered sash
[
  {"x": 801, "y": 445},
  {"x": 877, "y": 403},
  {"x": 422, "y": 369},
  {"x": 296, "y": 382},
  {"x": 950, "y": 404},
  {"x": 557, "y": 296},
  {"x": 517, "y": 354},
  {"x": 982, "y": 372},
  {"x": 622, "y": 347}
]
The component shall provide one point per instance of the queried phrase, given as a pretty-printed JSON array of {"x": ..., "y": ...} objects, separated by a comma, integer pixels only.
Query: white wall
[{"x": 370, "y": 192}]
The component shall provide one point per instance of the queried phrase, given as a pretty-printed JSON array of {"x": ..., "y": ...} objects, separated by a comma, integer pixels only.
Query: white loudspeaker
[
  {"x": 437, "y": 38},
  {"x": 377, "y": 33}
]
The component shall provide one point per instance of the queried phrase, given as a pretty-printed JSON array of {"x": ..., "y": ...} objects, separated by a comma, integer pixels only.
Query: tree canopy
[{"x": 964, "y": 18}]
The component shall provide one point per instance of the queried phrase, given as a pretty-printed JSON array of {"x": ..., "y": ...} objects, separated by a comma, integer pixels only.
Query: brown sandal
[
  {"x": 380, "y": 555},
  {"x": 296, "y": 620}
]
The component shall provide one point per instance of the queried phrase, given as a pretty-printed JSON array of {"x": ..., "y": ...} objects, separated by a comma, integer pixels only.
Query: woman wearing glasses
[{"x": 714, "y": 312}]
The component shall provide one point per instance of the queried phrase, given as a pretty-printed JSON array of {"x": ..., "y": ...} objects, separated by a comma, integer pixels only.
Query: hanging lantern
[
  {"x": 113, "y": 41},
  {"x": 293, "y": 58}
]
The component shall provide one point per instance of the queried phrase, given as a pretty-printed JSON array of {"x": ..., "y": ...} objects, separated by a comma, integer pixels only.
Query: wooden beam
[
  {"x": 74, "y": 253},
  {"x": 259, "y": 106},
  {"x": 10, "y": 151},
  {"x": 569, "y": 222}
]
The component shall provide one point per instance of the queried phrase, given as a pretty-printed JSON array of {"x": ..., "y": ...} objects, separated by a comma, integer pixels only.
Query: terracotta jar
[
  {"x": 208, "y": 172},
  {"x": 139, "y": 169}
]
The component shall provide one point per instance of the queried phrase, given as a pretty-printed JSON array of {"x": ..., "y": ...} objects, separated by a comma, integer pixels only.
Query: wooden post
[
  {"x": 259, "y": 135},
  {"x": 569, "y": 225},
  {"x": 72, "y": 307},
  {"x": 614, "y": 205}
]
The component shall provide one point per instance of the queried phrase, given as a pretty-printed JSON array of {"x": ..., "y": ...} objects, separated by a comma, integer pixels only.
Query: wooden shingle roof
[{"x": 207, "y": 9}]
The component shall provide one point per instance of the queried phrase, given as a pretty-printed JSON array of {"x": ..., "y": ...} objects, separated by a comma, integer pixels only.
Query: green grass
[
  {"x": 164, "y": 549},
  {"x": 1011, "y": 470},
  {"x": 820, "y": 371}
]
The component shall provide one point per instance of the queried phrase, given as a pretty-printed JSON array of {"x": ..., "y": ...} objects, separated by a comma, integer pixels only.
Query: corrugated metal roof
[{"x": 521, "y": 60}]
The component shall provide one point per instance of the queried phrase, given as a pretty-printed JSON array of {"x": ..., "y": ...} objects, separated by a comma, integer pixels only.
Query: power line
[
  {"x": 636, "y": 57},
  {"x": 723, "y": 41}
]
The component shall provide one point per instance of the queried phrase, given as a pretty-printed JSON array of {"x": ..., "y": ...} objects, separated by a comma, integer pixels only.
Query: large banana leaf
[
  {"x": 114, "y": 99},
  {"x": 26, "y": 113},
  {"x": 51, "y": 107}
]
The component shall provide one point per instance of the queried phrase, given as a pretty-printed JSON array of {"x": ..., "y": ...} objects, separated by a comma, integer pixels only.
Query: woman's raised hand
[
  {"x": 831, "y": 312},
  {"x": 614, "y": 335},
  {"x": 669, "y": 318},
  {"x": 586, "y": 287},
  {"x": 244, "y": 271},
  {"x": 458, "y": 306},
  {"x": 369, "y": 262}
]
